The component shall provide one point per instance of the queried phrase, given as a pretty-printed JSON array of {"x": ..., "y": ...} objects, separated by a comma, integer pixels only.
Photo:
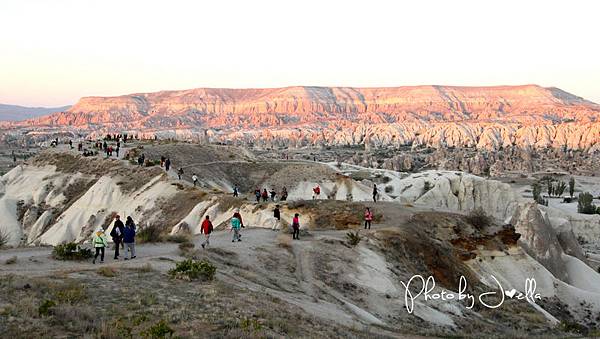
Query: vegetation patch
[
  {"x": 71, "y": 251},
  {"x": 193, "y": 270}
]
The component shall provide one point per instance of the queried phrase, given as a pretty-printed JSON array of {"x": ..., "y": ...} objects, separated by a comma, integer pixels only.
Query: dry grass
[
  {"x": 11, "y": 261},
  {"x": 284, "y": 240},
  {"x": 107, "y": 271}
]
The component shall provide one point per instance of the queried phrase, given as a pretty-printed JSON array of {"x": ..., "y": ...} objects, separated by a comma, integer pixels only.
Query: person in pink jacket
[{"x": 368, "y": 218}]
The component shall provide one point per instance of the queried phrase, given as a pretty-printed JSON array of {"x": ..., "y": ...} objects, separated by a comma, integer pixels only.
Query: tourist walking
[
  {"x": 284, "y": 194},
  {"x": 277, "y": 216},
  {"x": 117, "y": 234},
  {"x": 206, "y": 228},
  {"x": 296, "y": 227},
  {"x": 368, "y": 218},
  {"x": 235, "y": 227},
  {"x": 273, "y": 194},
  {"x": 265, "y": 195},
  {"x": 179, "y": 172},
  {"x": 99, "y": 242},
  {"x": 375, "y": 193},
  {"x": 167, "y": 164},
  {"x": 194, "y": 179},
  {"x": 257, "y": 195},
  {"x": 236, "y": 191},
  {"x": 316, "y": 192},
  {"x": 237, "y": 214},
  {"x": 129, "y": 238}
]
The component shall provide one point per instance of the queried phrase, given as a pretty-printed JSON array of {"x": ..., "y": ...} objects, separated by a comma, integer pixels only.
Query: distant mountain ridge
[
  {"x": 437, "y": 116},
  {"x": 223, "y": 108},
  {"x": 16, "y": 113}
]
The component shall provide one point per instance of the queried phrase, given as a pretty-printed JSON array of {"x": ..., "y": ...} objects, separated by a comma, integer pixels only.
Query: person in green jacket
[
  {"x": 236, "y": 224},
  {"x": 100, "y": 242}
]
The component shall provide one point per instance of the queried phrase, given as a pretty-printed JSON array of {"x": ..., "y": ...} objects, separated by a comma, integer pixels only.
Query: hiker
[
  {"x": 316, "y": 192},
  {"x": 117, "y": 234},
  {"x": 99, "y": 242},
  {"x": 129, "y": 238},
  {"x": 237, "y": 214},
  {"x": 265, "y": 195},
  {"x": 368, "y": 218},
  {"x": 162, "y": 161},
  {"x": 14, "y": 157},
  {"x": 277, "y": 216},
  {"x": 71, "y": 144},
  {"x": 194, "y": 179},
  {"x": 167, "y": 164},
  {"x": 206, "y": 229},
  {"x": 375, "y": 192},
  {"x": 117, "y": 150},
  {"x": 129, "y": 222},
  {"x": 284, "y": 194},
  {"x": 236, "y": 191},
  {"x": 80, "y": 147},
  {"x": 180, "y": 172},
  {"x": 273, "y": 194},
  {"x": 257, "y": 194},
  {"x": 296, "y": 227},
  {"x": 235, "y": 227},
  {"x": 105, "y": 146}
]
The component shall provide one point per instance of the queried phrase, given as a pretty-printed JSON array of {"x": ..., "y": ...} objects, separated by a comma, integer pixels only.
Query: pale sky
[{"x": 54, "y": 52}]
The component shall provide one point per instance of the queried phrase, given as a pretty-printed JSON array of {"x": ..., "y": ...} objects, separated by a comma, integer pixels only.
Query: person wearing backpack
[
  {"x": 117, "y": 234},
  {"x": 368, "y": 218},
  {"x": 235, "y": 227},
  {"x": 206, "y": 228},
  {"x": 129, "y": 238},
  {"x": 99, "y": 242},
  {"x": 296, "y": 227}
]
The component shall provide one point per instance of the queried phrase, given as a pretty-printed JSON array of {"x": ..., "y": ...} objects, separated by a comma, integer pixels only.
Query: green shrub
[
  {"x": 193, "y": 270},
  {"x": 159, "y": 330},
  {"x": 45, "y": 307},
  {"x": 71, "y": 251},
  {"x": 353, "y": 238},
  {"x": 149, "y": 234},
  {"x": 479, "y": 219}
]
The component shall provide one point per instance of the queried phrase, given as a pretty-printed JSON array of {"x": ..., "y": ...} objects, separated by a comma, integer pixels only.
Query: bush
[
  {"x": 479, "y": 219},
  {"x": 186, "y": 247},
  {"x": 353, "y": 239},
  {"x": 4, "y": 238},
  {"x": 193, "y": 270},
  {"x": 159, "y": 330},
  {"x": 178, "y": 238},
  {"x": 427, "y": 187},
  {"x": 149, "y": 234},
  {"x": 71, "y": 251},
  {"x": 11, "y": 260},
  {"x": 45, "y": 307},
  {"x": 585, "y": 203}
]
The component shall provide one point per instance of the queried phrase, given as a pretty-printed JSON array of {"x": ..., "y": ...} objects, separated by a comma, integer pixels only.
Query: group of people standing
[
  {"x": 123, "y": 237},
  {"x": 265, "y": 195}
]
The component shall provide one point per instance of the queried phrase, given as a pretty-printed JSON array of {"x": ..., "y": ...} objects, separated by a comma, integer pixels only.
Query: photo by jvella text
[{"x": 426, "y": 294}]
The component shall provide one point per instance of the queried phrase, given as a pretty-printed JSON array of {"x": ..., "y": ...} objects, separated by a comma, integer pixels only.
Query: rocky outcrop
[{"x": 482, "y": 117}]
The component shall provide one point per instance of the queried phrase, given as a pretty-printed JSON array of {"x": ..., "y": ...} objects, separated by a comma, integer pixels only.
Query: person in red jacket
[{"x": 206, "y": 228}]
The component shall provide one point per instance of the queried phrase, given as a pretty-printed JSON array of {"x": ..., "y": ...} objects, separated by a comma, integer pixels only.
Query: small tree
[
  {"x": 536, "y": 188},
  {"x": 549, "y": 185},
  {"x": 571, "y": 186},
  {"x": 560, "y": 189},
  {"x": 585, "y": 203}
]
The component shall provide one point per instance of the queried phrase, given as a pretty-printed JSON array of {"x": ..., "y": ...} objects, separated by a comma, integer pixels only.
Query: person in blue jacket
[{"x": 129, "y": 238}]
